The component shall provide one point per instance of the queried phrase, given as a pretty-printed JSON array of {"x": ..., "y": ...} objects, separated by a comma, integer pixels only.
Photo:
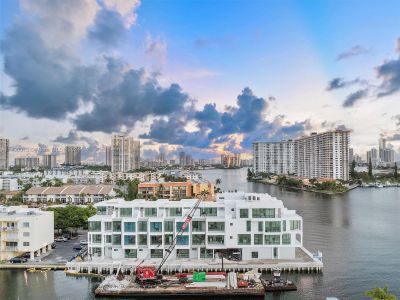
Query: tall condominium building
[
  {"x": 372, "y": 155},
  {"x": 73, "y": 155},
  {"x": 388, "y": 155},
  {"x": 49, "y": 161},
  {"x": 324, "y": 155},
  {"x": 125, "y": 153},
  {"x": 382, "y": 147},
  {"x": 182, "y": 159},
  {"x": 108, "y": 156},
  {"x": 247, "y": 226},
  {"x": 230, "y": 161},
  {"x": 274, "y": 157},
  {"x": 4, "y": 153},
  {"x": 27, "y": 162}
]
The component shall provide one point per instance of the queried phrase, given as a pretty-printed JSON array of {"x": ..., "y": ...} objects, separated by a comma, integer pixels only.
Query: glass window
[
  {"x": 244, "y": 239},
  {"x": 25, "y": 224},
  {"x": 168, "y": 239},
  {"x": 182, "y": 253},
  {"x": 272, "y": 226},
  {"x": 125, "y": 212},
  {"x": 216, "y": 239},
  {"x": 260, "y": 226},
  {"x": 95, "y": 226},
  {"x": 286, "y": 239},
  {"x": 175, "y": 211},
  {"x": 155, "y": 226},
  {"x": 156, "y": 240},
  {"x": 129, "y": 226},
  {"x": 295, "y": 224},
  {"x": 198, "y": 239},
  {"x": 130, "y": 253},
  {"x": 244, "y": 213},
  {"x": 108, "y": 239},
  {"x": 142, "y": 239},
  {"x": 108, "y": 226},
  {"x": 116, "y": 239},
  {"x": 283, "y": 225},
  {"x": 117, "y": 226},
  {"x": 254, "y": 254},
  {"x": 142, "y": 226},
  {"x": 150, "y": 212},
  {"x": 129, "y": 239},
  {"x": 272, "y": 239},
  {"x": 263, "y": 212},
  {"x": 258, "y": 239},
  {"x": 206, "y": 253},
  {"x": 182, "y": 240},
  {"x": 26, "y": 234},
  {"x": 216, "y": 226},
  {"x": 198, "y": 226},
  {"x": 179, "y": 226},
  {"x": 168, "y": 226},
  {"x": 156, "y": 253},
  {"x": 248, "y": 225},
  {"x": 26, "y": 244},
  {"x": 96, "y": 238},
  {"x": 101, "y": 210},
  {"x": 208, "y": 211}
]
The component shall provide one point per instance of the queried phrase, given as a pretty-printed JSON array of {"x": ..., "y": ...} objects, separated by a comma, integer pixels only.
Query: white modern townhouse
[
  {"x": 24, "y": 230},
  {"x": 243, "y": 226}
]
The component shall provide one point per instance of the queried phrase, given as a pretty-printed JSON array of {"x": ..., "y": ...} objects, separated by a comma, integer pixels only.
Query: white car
[
  {"x": 61, "y": 239},
  {"x": 83, "y": 242}
]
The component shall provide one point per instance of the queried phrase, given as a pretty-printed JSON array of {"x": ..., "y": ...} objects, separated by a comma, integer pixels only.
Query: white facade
[
  {"x": 255, "y": 226},
  {"x": 9, "y": 184},
  {"x": 24, "y": 230},
  {"x": 73, "y": 155},
  {"x": 274, "y": 157},
  {"x": 27, "y": 162},
  {"x": 125, "y": 153},
  {"x": 4, "y": 153}
]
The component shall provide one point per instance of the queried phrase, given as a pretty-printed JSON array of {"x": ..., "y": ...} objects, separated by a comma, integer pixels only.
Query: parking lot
[{"x": 64, "y": 250}]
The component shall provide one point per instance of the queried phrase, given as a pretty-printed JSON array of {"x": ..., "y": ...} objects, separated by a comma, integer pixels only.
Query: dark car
[
  {"x": 26, "y": 255},
  {"x": 77, "y": 247},
  {"x": 18, "y": 260},
  {"x": 67, "y": 236},
  {"x": 53, "y": 245}
]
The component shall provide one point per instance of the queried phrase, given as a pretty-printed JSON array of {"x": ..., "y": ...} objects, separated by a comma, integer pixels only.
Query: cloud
[
  {"x": 353, "y": 51},
  {"x": 157, "y": 48},
  {"x": 397, "y": 119},
  {"x": 126, "y": 8},
  {"x": 389, "y": 73},
  {"x": 353, "y": 98},
  {"x": 25, "y": 138}
]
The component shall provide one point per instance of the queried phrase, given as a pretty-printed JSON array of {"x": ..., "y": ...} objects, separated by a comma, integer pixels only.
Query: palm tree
[{"x": 380, "y": 294}]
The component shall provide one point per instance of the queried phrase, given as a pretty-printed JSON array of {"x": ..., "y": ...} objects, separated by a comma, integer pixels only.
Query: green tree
[
  {"x": 353, "y": 172},
  {"x": 370, "y": 168},
  {"x": 380, "y": 294},
  {"x": 395, "y": 174},
  {"x": 249, "y": 174},
  {"x": 132, "y": 190}
]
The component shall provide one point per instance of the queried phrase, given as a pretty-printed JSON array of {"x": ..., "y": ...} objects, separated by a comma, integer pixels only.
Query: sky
[{"x": 205, "y": 77}]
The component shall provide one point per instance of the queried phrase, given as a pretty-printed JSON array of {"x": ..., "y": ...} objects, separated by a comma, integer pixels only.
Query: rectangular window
[
  {"x": 25, "y": 224},
  {"x": 208, "y": 211},
  {"x": 108, "y": 239},
  {"x": 286, "y": 239},
  {"x": 101, "y": 210},
  {"x": 142, "y": 226},
  {"x": 168, "y": 226},
  {"x": 198, "y": 226},
  {"x": 26, "y": 234},
  {"x": 156, "y": 253},
  {"x": 283, "y": 225},
  {"x": 263, "y": 212},
  {"x": 175, "y": 211},
  {"x": 125, "y": 212},
  {"x": 295, "y": 225},
  {"x": 244, "y": 213},
  {"x": 142, "y": 239},
  {"x": 130, "y": 253},
  {"x": 182, "y": 240},
  {"x": 254, "y": 254},
  {"x": 216, "y": 239},
  {"x": 129, "y": 227},
  {"x": 182, "y": 253},
  {"x": 156, "y": 240},
  {"x": 129, "y": 239},
  {"x": 168, "y": 238},
  {"x": 206, "y": 253},
  {"x": 150, "y": 212},
  {"x": 155, "y": 226},
  {"x": 94, "y": 226},
  {"x": 248, "y": 225},
  {"x": 117, "y": 226},
  {"x": 272, "y": 226},
  {"x": 198, "y": 239},
  {"x": 108, "y": 226},
  {"x": 26, "y": 244},
  {"x": 216, "y": 226},
  {"x": 244, "y": 239},
  {"x": 116, "y": 239},
  {"x": 260, "y": 226},
  {"x": 272, "y": 240},
  {"x": 96, "y": 238},
  {"x": 258, "y": 239},
  {"x": 179, "y": 226}
]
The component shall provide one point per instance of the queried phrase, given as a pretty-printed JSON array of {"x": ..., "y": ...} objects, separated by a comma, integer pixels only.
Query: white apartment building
[
  {"x": 27, "y": 162},
  {"x": 125, "y": 153},
  {"x": 274, "y": 157},
  {"x": 324, "y": 155},
  {"x": 49, "y": 161},
  {"x": 4, "y": 153},
  {"x": 248, "y": 225},
  {"x": 9, "y": 184},
  {"x": 73, "y": 155},
  {"x": 24, "y": 230}
]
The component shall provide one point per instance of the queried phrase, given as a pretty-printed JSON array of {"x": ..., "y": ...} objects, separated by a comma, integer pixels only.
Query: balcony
[{"x": 8, "y": 229}]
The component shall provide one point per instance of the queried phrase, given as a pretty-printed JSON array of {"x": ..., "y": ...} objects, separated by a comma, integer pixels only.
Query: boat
[
  {"x": 32, "y": 270},
  {"x": 277, "y": 283}
]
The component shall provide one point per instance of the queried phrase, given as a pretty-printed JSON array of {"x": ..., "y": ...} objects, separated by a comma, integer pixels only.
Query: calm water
[{"x": 358, "y": 234}]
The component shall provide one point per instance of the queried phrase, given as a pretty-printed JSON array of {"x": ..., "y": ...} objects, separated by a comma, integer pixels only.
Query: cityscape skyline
[{"x": 196, "y": 103}]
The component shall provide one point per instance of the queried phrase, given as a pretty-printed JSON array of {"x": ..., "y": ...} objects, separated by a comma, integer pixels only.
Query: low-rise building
[
  {"x": 25, "y": 230},
  {"x": 174, "y": 190},
  {"x": 9, "y": 184},
  {"x": 245, "y": 225},
  {"x": 75, "y": 194}
]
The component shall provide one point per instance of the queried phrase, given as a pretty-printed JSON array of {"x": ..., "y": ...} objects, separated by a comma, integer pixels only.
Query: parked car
[
  {"x": 77, "y": 247},
  {"x": 61, "y": 239},
  {"x": 83, "y": 242},
  {"x": 26, "y": 255},
  {"x": 18, "y": 260},
  {"x": 53, "y": 245},
  {"x": 67, "y": 236}
]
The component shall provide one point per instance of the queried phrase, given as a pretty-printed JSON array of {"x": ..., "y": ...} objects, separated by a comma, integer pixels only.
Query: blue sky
[{"x": 285, "y": 52}]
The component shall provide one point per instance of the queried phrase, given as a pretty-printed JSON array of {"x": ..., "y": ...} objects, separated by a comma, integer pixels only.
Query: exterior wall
[
  {"x": 125, "y": 153},
  {"x": 9, "y": 184},
  {"x": 72, "y": 155},
  {"x": 226, "y": 229},
  {"x": 276, "y": 158},
  {"x": 27, "y": 162},
  {"x": 4, "y": 153}
]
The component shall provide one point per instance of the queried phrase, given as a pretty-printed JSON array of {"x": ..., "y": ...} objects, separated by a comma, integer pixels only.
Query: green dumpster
[{"x": 199, "y": 276}]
